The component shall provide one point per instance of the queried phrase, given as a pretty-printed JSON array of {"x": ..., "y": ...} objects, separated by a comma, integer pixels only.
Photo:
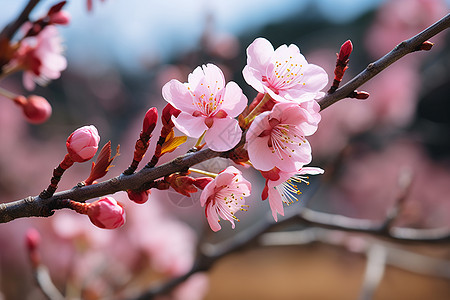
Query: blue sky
[{"x": 125, "y": 31}]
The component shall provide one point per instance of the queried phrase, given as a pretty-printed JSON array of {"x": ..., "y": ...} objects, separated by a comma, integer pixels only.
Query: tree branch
[
  {"x": 9, "y": 31},
  {"x": 37, "y": 207},
  {"x": 408, "y": 46}
]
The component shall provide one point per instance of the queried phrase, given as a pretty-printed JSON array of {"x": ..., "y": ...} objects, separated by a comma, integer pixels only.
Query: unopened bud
[
  {"x": 346, "y": 50},
  {"x": 61, "y": 18},
  {"x": 37, "y": 110},
  {"x": 82, "y": 144},
  {"x": 360, "y": 95},
  {"x": 182, "y": 184},
  {"x": 138, "y": 197},
  {"x": 32, "y": 239},
  {"x": 201, "y": 182},
  {"x": 150, "y": 119},
  {"x": 426, "y": 46},
  {"x": 106, "y": 213},
  {"x": 168, "y": 112}
]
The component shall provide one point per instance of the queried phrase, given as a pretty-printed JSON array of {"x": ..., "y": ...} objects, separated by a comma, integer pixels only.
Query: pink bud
[
  {"x": 82, "y": 144},
  {"x": 150, "y": 119},
  {"x": 168, "y": 112},
  {"x": 37, "y": 110},
  {"x": 345, "y": 51},
  {"x": 106, "y": 213},
  {"x": 139, "y": 197},
  {"x": 32, "y": 239},
  {"x": 201, "y": 182},
  {"x": 60, "y": 17},
  {"x": 56, "y": 8}
]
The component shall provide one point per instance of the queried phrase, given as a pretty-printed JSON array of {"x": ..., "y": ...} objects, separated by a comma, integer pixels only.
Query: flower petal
[
  {"x": 178, "y": 95},
  {"x": 234, "y": 101},
  {"x": 259, "y": 54},
  {"x": 223, "y": 135},
  {"x": 212, "y": 217},
  {"x": 190, "y": 125}
]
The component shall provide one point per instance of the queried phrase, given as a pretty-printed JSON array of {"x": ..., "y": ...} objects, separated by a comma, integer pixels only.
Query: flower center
[
  {"x": 289, "y": 189},
  {"x": 207, "y": 99},
  {"x": 285, "y": 139},
  {"x": 229, "y": 199},
  {"x": 284, "y": 74}
]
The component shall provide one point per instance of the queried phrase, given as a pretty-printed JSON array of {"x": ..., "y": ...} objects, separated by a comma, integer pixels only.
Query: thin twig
[
  {"x": 408, "y": 46},
  {"x": 9, "y": 31},
  {"x": 35, "y": 206},
  {"x": 45, "y": 283},
  {"x": 375, "y": 266}
]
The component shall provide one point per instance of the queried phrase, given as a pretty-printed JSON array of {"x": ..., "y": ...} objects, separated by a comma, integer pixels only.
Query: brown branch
[
  {"x": 408, "y": 46},
  {"x": 9, "y": 31},
  {"x": 38, "y": 207},
  {"x": 210, "y": 253}
]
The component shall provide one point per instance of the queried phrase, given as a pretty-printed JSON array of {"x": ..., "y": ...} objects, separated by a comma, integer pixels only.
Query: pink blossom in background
[
  {"x": 277, "y": 138},
  {"x": 398, "y": 20},
  {"x": 82, "y": 144},
  {"x": 40, "y": 57},
  {"x": 283, "y": 73},
  {"x": 194, "y": 288},
  {"x": 224, "y": 196},
  {"x": 368, "y": 188},
  {"x": 207, "y": 104},
  {"x": 282, "y": 187},
  {"x": 106, "y": 213}
]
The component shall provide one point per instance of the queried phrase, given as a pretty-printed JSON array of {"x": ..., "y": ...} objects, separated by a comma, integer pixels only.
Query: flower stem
[
  {"x": 256, "y": 110},
  {"x": 210, "y": 174},
  {"x": 8, "y": 94},
  {"x": 200, "y": 139}
]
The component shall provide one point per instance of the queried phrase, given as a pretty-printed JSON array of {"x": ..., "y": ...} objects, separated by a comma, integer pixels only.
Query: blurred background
[{"x": 119, "y": 56}]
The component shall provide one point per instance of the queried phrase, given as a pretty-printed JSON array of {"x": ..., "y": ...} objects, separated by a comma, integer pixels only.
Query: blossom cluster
[
  {"x": 275, "y": 137},
  {"x": 270, "y": 134}
]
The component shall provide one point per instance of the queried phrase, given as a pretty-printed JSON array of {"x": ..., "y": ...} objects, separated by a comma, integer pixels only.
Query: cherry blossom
[
  {"x": 282, "y": 187},
  {"x": 207, "y": 104},
  {"x": 224, "y": 196},
  {"x": 283, "y": 73},
  {"x": 277, "y": 138},
  {"x": 41, "y": 57}
]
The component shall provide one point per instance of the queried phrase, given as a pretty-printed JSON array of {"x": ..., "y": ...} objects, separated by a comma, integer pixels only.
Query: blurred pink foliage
[{"x": 369, "y": 186}]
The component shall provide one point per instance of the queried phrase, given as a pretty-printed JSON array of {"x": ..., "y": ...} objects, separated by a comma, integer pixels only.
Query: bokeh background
[{"x": 119, "y": 56}]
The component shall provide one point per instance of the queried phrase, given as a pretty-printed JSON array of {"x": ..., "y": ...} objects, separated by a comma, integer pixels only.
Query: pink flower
[
  {"x": 283, "y": 73},
  {"x": 106, "y": 213},
  {"x": 282, "y": 187},
  {"x": 207, "y": 104},
  {"x": 224, "y": 196},
  {"x": 41, "y": 57},
  {"x": 277, "y": 138},
  {"x": 82, "y": 144}
]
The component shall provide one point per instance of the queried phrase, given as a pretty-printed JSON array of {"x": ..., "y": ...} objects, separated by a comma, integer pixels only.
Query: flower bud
[
  {"x": 60, "y": 17},
  {"x": 150, "y": 119},
  {"x": 139, "y": 197},
  {"x": 201, "y": 182},
  {"x": 82, "y": 144},
  {"x": 168, "y": 112},
  {"x": 32, "y": 239},
  {"x": 346, "y": 50},
  {"x": 37, "y": 110},
  {"x": 106, "y": 213}
]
